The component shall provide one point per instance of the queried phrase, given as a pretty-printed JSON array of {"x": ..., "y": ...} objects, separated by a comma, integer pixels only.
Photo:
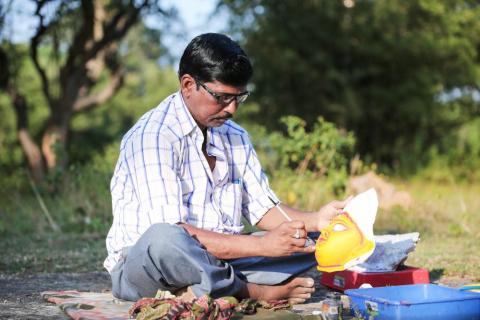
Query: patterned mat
[
  {"x": 103, "y": 306},
  {"x": 89, "y": 305}
]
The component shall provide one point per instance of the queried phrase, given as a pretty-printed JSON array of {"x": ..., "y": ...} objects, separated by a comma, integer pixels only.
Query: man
[{"x": 185, "y": 177}]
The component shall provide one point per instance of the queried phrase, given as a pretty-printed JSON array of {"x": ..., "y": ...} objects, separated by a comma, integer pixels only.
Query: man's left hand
[{"x": 330, "y": 211}]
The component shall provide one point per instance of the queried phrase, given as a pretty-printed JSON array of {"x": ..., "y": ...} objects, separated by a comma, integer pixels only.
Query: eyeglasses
[{"x": 224, "y": 99}]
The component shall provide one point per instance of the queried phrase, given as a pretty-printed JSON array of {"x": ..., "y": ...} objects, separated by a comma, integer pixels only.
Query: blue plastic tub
[{"x": 418, "y": 301}]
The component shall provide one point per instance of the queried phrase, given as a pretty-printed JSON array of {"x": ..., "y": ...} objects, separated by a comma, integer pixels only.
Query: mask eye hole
[{"x": 339, "y": 227}]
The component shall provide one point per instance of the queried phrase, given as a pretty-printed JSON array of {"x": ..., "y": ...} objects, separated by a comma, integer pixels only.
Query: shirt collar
[
  {"x": 215, "y": 144},
  {"x": 187, "y": 123}
]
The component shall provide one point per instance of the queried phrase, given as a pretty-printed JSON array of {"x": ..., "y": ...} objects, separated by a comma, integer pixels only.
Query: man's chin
[{"x": 217, "y": 122}]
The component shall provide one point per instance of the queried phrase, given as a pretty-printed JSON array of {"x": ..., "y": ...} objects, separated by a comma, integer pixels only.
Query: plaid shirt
[{"x": 162, "y": 176}]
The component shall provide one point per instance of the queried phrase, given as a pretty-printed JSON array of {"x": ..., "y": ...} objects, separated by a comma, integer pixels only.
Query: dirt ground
[{"x": 20, "y": 295}]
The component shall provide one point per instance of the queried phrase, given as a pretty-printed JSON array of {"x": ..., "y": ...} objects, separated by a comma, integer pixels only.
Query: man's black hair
[{"x": 213, "y": 56}]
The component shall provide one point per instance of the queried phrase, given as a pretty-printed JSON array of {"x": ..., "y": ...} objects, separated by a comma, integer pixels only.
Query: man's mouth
[
  {"x": 225, "y": 117},
  {"x": 222, "y": 118}
]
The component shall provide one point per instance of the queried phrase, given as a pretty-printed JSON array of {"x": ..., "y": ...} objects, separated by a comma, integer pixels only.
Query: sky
[{"x": 195, "y": 18}]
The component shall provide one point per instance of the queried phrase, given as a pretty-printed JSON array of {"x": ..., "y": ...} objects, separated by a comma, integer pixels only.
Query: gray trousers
[{"x": 166, "y": 257}]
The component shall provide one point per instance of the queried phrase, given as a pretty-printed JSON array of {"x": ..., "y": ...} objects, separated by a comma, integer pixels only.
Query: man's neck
[{"x": 202, "y": 127}]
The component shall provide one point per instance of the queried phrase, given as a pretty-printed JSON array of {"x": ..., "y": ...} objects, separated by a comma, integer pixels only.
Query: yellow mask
[
  {"x": 341, "y": 242},
  {"x": 344, "y": 243}
]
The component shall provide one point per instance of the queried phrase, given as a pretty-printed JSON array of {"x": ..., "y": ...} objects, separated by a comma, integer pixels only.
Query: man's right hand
[{"x": 286, "y": 239}]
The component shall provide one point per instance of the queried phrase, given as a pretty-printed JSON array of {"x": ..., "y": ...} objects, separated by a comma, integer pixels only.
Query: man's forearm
[
  {"x": 274, "y": 217},
  {"x": 226, "y": 246},
  {"x": 313, "y": 220}
]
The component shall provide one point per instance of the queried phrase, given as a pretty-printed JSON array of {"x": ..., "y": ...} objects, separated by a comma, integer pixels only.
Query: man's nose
[{"x": 231, "y": 107}]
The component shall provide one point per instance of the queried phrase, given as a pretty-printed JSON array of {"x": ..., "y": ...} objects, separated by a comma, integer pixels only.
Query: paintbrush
[{"x": 309, "y": 242}]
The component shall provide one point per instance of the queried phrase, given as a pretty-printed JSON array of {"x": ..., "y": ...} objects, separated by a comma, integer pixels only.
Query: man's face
[{"x": 211, "y": 103}]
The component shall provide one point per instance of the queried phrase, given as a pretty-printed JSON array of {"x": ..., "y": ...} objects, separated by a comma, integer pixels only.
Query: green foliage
[
  {"x": 27, "y": 82},
  {"x": 67, "y": 67},
  {"x": 324, "y": 149},
  {"x": 384, "y": 69},
  {"x": 456, "y": 157},
  {"x": 307, "y": 191},
  {"x": 322, "y": 152},
  {"x": 78, "y": 196},
  {"x": 81, "y": 202}
]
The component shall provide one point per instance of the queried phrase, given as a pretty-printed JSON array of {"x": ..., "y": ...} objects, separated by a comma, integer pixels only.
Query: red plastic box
[{"x": 347, "y": 279}]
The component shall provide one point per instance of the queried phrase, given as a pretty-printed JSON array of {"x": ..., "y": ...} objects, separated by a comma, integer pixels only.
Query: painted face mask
[{"x": 348, "y": 240}]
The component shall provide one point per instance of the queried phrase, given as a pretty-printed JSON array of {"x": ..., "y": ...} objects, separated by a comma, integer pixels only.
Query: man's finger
[
  {"x": 298, "y": 243},
  {"x": 296, "y": 224},
  {"x": 297, "y": 233},
  {"x": 347, "y": 200},
  {"x": 337, "y": 204},
  {"x": 307, "y": 249}
]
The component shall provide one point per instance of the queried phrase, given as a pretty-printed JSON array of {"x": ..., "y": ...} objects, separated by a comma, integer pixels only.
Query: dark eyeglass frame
[{"x": 224, "y": 99}]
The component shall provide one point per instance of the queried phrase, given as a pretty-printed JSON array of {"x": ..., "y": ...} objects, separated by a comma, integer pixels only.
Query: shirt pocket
[{"x": 230, "y": 203}]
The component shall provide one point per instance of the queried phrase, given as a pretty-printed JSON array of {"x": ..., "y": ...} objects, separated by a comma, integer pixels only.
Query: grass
[
  {"x": 446, "y": 257},
  {"x": 451, "y": 222},
  {"x": 446, "y": 215},
  {"x": 52, "y": 253}
]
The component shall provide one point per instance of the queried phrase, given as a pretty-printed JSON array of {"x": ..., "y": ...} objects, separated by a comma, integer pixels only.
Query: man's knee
[
  {"x": 150, "y": 263},
  {"x": 164, "y": 237},
  {"x": 164, "y": 240},
  {"x": 165, "y": 230}
]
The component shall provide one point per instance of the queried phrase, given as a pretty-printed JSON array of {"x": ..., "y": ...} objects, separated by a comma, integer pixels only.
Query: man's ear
[{"x": 187, "y": 85}]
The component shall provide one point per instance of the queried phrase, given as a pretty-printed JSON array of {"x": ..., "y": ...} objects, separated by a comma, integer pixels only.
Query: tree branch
[
  {"x": 34, "y": 43},
  {"x": 81, "y": 38},
  {"x": 117, "y": 28},
  {"x": 91, "y": 101}
]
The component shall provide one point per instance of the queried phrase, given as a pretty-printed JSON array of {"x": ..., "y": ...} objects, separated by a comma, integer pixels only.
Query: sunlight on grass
[
  {"x": 451, "y": 256},
  {"x": 451, "y": 241}
]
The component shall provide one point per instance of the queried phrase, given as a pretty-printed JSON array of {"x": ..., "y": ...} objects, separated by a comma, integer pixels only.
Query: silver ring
[{"x": 297, "y": 234}]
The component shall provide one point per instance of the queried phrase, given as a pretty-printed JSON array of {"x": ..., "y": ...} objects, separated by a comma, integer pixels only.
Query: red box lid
[{"x": 347, "y": 279}]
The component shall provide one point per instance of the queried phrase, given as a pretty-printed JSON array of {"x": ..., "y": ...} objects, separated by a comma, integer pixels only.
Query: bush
[
  {"x": 456, "y": 158},
  {"x": 324, "y": 151}
]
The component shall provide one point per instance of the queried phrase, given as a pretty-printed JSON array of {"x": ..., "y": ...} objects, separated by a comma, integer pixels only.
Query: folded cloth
[
  {"x": 390, "y": 252},
  {"x": 202, "y": 308}
]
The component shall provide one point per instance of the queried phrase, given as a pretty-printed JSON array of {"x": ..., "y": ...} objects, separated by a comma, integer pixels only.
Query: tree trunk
[
  {"x": 33, "y": 155},
  {"x": 54, "y": 142},
  {"x": 54, "y": 138},
  {"x": 29, "y": 147}
]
